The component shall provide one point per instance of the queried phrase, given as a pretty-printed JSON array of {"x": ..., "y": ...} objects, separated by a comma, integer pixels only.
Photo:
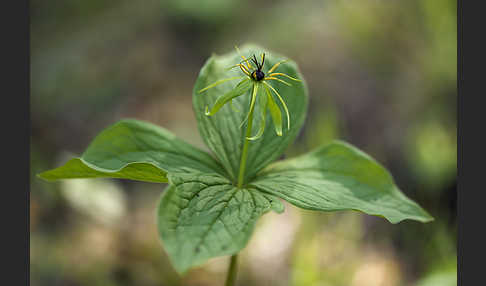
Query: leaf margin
[
  {"x": 275, "y": 168},
  {"x": 89, "y": 164}
]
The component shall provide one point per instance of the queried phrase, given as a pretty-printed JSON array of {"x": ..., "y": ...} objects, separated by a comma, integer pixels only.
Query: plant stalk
[
  {"x": 231, "y": 278},
  {"x": 232, "y": 270},
  {"x": 244, "y": 153}
]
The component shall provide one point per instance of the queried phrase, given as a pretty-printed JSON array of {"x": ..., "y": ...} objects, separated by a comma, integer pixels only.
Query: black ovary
[{"x": 258, "y": 75}]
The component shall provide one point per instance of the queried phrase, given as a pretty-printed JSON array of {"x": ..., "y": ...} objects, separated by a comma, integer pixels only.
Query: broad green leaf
[
  {"x": 201, "y": 216},
  {"x": 136, "y": 150},
  {"x": 221, "y": 132},
  {"x": 339, "y": 177},
  {"x": 78, "y": 168}
]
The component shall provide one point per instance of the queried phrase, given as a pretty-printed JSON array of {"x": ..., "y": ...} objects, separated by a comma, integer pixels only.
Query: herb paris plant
[{"x": 210, "y": 208}]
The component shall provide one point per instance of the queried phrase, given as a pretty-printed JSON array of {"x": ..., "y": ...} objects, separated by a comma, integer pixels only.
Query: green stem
[
  {"x": 231, "y": 278},
  {"x": 232, "y": 270},
  {"x": 244, "y": 153}
]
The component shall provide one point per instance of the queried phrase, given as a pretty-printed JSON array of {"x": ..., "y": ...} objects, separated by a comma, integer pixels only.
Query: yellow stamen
[
  {"x": 277, "y": 79},
  {"x": 282, "y": 74},
  {"x": 243, "y": 57},
  {"x": 276, "y": 65},
  {"x": 243, "y": 69}
]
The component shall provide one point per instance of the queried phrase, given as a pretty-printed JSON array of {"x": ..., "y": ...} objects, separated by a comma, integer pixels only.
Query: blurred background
[{"x": 381, "y": 75}]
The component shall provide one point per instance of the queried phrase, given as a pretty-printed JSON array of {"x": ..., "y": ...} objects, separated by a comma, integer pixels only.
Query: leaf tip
[
  {"x": 427, "y": 218},
  {"x": 47, "y": 176},
  {"x": 42, "y": 176}
]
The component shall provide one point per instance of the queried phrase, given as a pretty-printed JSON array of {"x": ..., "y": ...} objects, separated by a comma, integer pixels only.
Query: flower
[{"x": 255, "y": 79}]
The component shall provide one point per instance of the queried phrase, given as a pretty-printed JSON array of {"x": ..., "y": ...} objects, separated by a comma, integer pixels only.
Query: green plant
[{"x": 212, "y": 203}]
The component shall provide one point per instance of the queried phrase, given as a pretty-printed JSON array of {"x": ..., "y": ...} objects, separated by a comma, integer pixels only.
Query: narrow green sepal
[
  {"x": 219, "y": 82},
  {"x": 283, "y": 103},
  {"x": 262, "y": 104},
  {"x": 274, "y": 112},
  {"x": 241, "y": 88}
]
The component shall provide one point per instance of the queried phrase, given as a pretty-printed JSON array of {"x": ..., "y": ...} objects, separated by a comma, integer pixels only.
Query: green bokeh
[{"x": 381, "y": 75}]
